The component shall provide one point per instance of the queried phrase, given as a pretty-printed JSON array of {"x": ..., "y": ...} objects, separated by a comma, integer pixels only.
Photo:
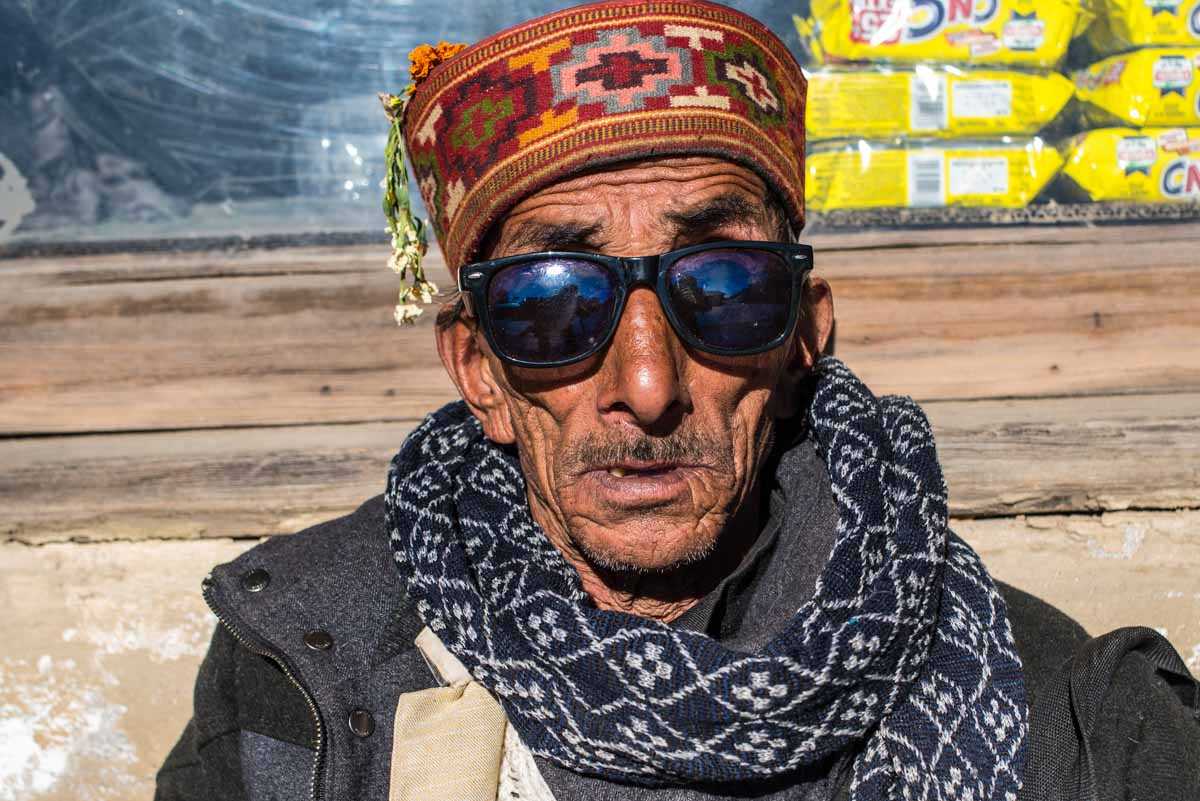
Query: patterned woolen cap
[{"x": 597, "y": 84}]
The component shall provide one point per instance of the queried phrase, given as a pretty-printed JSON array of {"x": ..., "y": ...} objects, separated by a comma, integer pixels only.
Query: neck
[{"x": 667, "y": 594}]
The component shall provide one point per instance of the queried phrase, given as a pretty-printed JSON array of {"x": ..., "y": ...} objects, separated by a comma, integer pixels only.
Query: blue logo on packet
[
  {"x": 930, "y": 16},
  {"x": 1181, "y": 179}
]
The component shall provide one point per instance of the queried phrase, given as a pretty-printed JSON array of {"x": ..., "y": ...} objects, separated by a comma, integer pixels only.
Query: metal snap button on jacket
[
  {"x": 361, "y": 723},
  {"x": 318, "y": 640},
  {"x": 256, "y": 580}
]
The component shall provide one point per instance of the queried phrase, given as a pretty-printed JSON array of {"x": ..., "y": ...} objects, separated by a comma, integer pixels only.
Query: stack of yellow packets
[
  {"x": 1010, "y": 33},
  {"x": 1145, "y": 103},
  {"x": 948, "y": 110}
]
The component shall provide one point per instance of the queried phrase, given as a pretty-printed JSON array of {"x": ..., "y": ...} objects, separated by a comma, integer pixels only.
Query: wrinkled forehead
[{"x": 675, "y": 197}]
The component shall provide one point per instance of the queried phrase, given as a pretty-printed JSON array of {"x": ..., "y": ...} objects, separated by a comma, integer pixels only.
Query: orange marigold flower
[
  {"x": 420, "y": 60},
  {"x": 447, "y": 49},
  {"x": 425, "y": 57}
]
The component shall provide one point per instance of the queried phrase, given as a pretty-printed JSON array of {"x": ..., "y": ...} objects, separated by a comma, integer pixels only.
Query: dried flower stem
[{"x": 409, "y": 239}]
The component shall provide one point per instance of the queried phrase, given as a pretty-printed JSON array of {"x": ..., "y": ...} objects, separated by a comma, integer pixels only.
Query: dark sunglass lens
[
  {"x": 551, "y": 310},
  {"x": 731, "y": 298}
]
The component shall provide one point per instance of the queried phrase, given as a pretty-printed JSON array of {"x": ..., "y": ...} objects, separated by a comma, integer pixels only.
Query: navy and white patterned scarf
[{"x": 905, "y": 643}]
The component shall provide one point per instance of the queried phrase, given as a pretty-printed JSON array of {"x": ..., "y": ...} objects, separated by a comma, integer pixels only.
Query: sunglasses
[{"x": 555, "y": 308}]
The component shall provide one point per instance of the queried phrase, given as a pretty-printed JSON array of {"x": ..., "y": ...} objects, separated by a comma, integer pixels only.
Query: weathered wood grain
[
  {"x": 266, "y": 259},
  {"x": 103, "y": 640},
  {"x": 1070, "y": 454},
  {"x": 201, "y": 352},
  {"x": 1000, "y": 457},
  {"x": 201, "y": 483},
  {"x": 161, "y": 341}
]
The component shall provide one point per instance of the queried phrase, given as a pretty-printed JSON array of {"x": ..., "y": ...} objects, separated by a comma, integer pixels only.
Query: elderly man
[{"x": 665, "y": 546}]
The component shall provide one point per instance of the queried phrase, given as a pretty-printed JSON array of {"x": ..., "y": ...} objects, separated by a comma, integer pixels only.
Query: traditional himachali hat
[{"x": 575, "y": 90}]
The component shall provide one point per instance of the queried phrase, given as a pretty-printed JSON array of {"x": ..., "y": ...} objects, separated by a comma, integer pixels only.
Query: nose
[{"x": 643, "y": 374}]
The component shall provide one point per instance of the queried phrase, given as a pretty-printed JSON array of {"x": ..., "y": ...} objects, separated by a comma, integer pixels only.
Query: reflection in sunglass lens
[
  {"x": 731, "y": 298},
  {"x": 552, "y": 309}
]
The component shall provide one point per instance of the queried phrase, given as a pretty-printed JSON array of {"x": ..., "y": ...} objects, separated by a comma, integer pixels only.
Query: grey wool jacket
[{"x": 297, "y": 694}]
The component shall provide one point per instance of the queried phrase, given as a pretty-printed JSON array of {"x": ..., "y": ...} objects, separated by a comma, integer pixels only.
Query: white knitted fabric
[{"x": 520, "y": 779}]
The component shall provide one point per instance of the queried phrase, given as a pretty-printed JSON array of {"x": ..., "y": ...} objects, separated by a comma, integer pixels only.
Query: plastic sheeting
[{"x": 140, "y": 117}]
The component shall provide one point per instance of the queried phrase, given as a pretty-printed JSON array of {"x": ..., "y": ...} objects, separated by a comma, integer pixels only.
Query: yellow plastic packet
[
  {"x": 1158, "y": 86},
  {"x": 1029, "y": 33},
  {"x": 939, "y": 102},
  {"x": 1125, "y": 24},
  {"x": 1144, "y": 165},
  {"x": 869, "y": 175}
]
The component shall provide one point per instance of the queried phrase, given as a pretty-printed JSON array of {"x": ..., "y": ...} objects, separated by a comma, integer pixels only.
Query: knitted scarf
[{"x": 904, "y": 651}]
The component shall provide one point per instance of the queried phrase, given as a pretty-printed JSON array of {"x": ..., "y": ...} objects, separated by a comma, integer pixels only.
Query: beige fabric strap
[
  {"x": 448, "y": 741},
  {"x": 444, "y": 664}
]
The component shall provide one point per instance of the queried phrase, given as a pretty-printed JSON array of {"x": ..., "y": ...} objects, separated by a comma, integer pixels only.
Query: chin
[{"x": 631, "y": 549}]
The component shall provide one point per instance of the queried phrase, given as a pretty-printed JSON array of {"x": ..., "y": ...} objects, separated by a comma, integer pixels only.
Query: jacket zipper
[{"x": 312, "y": 706}]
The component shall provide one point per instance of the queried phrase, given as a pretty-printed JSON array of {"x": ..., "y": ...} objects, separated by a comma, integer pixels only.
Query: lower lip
[{"x": 641, "y": 489}]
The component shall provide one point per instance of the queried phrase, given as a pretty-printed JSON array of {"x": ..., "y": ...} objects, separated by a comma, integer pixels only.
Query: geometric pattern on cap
[{"x": 594, "y": 85}]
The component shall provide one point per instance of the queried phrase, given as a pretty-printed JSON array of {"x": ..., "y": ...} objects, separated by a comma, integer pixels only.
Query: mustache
[{"x": 595, "y": 451}]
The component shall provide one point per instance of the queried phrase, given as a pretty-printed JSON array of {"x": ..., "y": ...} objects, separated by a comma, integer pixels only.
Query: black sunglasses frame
[{"x": 651, "y": 271}]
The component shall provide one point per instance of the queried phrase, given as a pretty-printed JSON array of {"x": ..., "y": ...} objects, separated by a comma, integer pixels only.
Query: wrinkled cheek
[
  {"x": 751, "y": 436},
  {"x": 538, "y": 458},
  {"x": 752, "y": 425},
  {"x": 712, "y": 502}
]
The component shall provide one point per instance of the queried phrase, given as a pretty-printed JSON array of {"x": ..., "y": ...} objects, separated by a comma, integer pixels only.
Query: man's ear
[
  {"x": 461, "y": 349},
  {"x": 808, "y": 343}
]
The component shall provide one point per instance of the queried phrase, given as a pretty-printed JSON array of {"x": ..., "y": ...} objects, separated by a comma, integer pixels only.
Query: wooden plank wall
[{"x": 161, "y": 412}]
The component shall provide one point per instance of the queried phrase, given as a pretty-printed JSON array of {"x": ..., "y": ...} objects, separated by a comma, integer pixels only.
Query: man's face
[{"x": 638, "y": 458}]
